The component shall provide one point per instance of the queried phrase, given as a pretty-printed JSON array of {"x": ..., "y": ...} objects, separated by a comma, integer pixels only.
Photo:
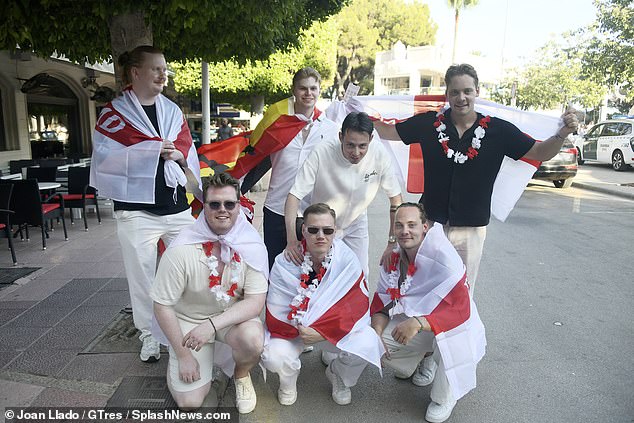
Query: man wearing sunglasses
[
  {"x": 346, "y": 174},
  {"x": 324, "y": 300},
  {"x": 211, "y": 286}
]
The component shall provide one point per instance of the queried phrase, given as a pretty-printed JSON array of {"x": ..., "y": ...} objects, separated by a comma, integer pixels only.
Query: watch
[{"x": 391, "y": 239}]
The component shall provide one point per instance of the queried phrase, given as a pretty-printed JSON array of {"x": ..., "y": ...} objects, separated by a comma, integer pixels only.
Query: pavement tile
[
  {"x": 66, "y": 299},
  {"x": 68, "y": 270},
  {"x": 116, "y": 284},
  {"x": 55, "y": 397},
  {"x": 35, "y": 290},
  {"x": 105, "y": 368},
  {"x": 68, "y": 337},
  {"x": 104, "y": 269},
  {"x": 108, "y": 298},
  {"x": 16, "y": 394},
  {"x": 5, "y": 358},
  {"x": 140, "y": 368},
  {"x": 20, "y": 305},
  {"x": 7, "y": 314},
  {"x": 85, "y": 284},
  {"x": 91, "y": 316},
  {"x": 43, "y": 316},
  {"x": 41, "y": 362},
  {"x": 14, "y": 336}
]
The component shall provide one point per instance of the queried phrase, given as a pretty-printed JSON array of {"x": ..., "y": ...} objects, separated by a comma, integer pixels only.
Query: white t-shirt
[
  {"x": 286, "y": 162},
  {"x": 182, "y": 281},
  {"x": 347, "y": 188}
]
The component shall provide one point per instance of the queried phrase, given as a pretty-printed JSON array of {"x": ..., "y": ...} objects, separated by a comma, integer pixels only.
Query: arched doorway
[{"x": 53, "y": 118}]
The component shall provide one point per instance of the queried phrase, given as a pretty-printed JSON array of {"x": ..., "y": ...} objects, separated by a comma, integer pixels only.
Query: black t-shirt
[
  {"x": 164, "y": 202},
  {"x": 460, "y": 194}
]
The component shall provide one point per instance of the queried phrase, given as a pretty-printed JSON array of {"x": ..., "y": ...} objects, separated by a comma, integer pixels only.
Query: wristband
[
  {"x": 420, "y": 323},
  {"x": 212, "y": 324}
]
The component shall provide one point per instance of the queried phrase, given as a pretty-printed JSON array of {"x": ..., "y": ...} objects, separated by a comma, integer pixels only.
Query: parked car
[
  {"x": 610, "y": 142},
  {"x": 197, "y": 137},
  {"x": 561, "y": 168}
]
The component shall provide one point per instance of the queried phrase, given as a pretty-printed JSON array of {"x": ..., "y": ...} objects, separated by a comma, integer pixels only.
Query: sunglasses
[
  {"x": 228, "y": 205},
  {"x": 314, "y": 230}
]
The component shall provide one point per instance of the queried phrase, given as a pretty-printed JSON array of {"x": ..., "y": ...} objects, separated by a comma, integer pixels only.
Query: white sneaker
[
  {"x": 151, "y": 349},
  {"x": 287, "y": 397},
  {"x": 327, "y": 357},
  {"x": 340, "y": 393},
  {"x": 426, "y": 372},
  {"x": 438, "y": 413},
  {"x": 245, "y": 395}
]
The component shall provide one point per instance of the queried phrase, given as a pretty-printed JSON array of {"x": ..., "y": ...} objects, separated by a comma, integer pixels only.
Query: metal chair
[
  {"x": 5, "y": 213},
  {"x": 80, "y": 193},
  {"x": 31, "y": 210}
]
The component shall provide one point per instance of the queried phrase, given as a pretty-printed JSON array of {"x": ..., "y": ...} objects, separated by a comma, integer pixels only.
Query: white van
[{"x": 611, "y": 142}]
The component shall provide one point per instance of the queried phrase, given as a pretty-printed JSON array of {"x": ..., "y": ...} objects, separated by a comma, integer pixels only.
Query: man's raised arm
[{"x": 387, "y": 131}]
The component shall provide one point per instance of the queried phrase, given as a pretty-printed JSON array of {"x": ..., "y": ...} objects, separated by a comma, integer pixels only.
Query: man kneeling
[
  {"x": 424, "y": 298},
  {"x": 211, "y": 286},
  {"x": 324, "y": 299}
]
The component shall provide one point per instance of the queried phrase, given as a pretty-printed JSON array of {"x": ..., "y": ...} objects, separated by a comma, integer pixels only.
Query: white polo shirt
[
  {"x": 286, "y": 162},
  {"x": 347, "y": 188}
]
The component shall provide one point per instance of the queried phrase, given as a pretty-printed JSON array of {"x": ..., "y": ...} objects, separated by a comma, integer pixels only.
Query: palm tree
[{"x": 457, "y": 5}]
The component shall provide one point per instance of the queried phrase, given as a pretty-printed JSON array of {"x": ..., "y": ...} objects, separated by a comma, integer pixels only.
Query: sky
[{"x": 530, "y": 24}]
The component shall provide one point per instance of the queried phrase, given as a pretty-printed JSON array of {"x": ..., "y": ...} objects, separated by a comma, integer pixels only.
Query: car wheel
[
  {"x": 618, "y": 163},
  {"x": 563, "y": 183},
  {"x": 580, "y": 161}
]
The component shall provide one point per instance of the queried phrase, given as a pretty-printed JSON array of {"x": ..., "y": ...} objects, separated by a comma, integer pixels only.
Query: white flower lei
[
  {"x": 223, "y": 294},
  {"x": 299, "y": 303},
  {"x": 393, "y": 289},
  {"x": 476, "y": 141}
]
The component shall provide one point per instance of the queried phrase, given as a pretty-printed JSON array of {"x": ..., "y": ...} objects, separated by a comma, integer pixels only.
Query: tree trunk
[
  {"x": 257, "y": 104},
  {"x": 127, "y": 31},
  {"x": 455, "y": 37}
]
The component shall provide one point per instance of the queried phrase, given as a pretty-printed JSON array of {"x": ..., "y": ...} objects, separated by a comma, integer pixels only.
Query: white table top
[{"x": 48, "y": 185}]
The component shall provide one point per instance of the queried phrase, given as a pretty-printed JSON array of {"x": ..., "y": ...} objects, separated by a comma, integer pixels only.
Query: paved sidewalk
[{"x": 48, "y": 319}]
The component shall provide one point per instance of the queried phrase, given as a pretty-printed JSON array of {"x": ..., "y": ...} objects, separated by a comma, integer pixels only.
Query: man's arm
[
  {"x": 547, "y": 149},
  {"x": 188, "y": 368},
  {"x": 387, "y": 131},
  {"x": 407, "y": 329},
  {"x": 379, "y": 322},
  {"x": 385, "y": 258},
  {"x": 293, "y": 250}
]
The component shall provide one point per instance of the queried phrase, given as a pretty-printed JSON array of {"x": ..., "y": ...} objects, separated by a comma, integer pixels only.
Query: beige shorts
[{"x": 205, "y": 358}]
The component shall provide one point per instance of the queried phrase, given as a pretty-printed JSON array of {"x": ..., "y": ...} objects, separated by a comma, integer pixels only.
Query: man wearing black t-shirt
[{"x": 142, "y": 156}]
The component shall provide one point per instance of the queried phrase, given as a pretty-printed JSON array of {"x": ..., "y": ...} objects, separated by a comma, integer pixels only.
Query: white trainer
[
  {"x": 151, "y": 349},
  {"x": 426, "y": 372},
  {"x": 287, "y": 397},
  {"x": 340, "y": 393},
  {"x": 245, "y": 395},
  {"x": 327, "y": 357},
  {"x": 438, "y": 413}
]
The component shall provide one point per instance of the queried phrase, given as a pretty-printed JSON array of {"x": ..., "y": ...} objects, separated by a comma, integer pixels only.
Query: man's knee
[{"x": 248, "y": 338}]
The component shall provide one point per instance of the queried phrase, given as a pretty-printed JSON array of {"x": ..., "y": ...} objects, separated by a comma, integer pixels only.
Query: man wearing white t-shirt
[{"x": 346, "y": 174}]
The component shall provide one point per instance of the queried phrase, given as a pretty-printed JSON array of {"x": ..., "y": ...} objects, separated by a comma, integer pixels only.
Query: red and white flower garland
[
  {"x": 394, "y": 291},
  {"x": 215, "y": 278},
  {"x": 476, "y": 141},
  {"x": 299, "y": 303}
]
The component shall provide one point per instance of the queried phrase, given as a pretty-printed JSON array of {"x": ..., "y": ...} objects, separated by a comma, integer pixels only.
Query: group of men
[{"x": 215, "y": 279}]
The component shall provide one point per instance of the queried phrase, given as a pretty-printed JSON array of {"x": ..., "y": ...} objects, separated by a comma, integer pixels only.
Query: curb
[{"x": 604, "y": 190}]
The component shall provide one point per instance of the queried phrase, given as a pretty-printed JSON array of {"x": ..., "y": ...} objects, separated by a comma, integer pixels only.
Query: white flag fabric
[{"x": 126, "y": 149}]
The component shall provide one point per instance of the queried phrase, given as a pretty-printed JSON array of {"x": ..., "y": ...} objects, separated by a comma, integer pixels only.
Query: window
[
  {"x": 625, "y": 128},
  {"x": 610, "y": 130},
  {"x": 595, "y": 131},
  {"x": 396, "y": 85}
]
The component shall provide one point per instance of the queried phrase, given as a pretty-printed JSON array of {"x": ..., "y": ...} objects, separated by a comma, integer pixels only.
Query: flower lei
[
  {"x": 472, "y": 151},
  {"x": 394, "y": 291},
  {"x": 306, "y": 287},
  {"x": 215, "y": 279}
]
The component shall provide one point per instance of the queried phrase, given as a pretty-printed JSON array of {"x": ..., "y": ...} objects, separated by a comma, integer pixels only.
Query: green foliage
[
  {"x": 369, "y": 26},
  {"x": 212, "y": 30},
  {"x": 552, "y": 80},
  {"x": 609, "y": 55},
  {"x": 230, "y": 81}
]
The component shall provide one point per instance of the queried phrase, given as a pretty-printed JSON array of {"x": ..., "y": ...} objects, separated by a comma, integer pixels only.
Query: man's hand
[
  {"x": 199, "y": 336},
  {"x": 188, "y": 368},
  {"x": 309, "y": 335},
  {"x": 170, "y": 152},
  {"x": 293, "y": 252},
  {"x": 570, "y": 121},
  {"x": 406, "y": 330},
  {"x": 386, "y": 256}
]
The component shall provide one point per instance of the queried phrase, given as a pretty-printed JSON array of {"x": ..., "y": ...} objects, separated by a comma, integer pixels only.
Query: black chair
[
  {"x": 42, "y": 174},
  {"x": 15, "y": 166},
  {"x": 80, "y": 193},
  {"x": 5, "y": 213},
  {"x": 53, "y": 162},
  {"x": 31, "y": 210}
]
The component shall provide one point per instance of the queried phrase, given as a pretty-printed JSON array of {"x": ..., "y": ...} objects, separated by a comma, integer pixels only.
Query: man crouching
[
  {"x": 211, "y": 286},
  {"x": 324, "y": 300}
]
